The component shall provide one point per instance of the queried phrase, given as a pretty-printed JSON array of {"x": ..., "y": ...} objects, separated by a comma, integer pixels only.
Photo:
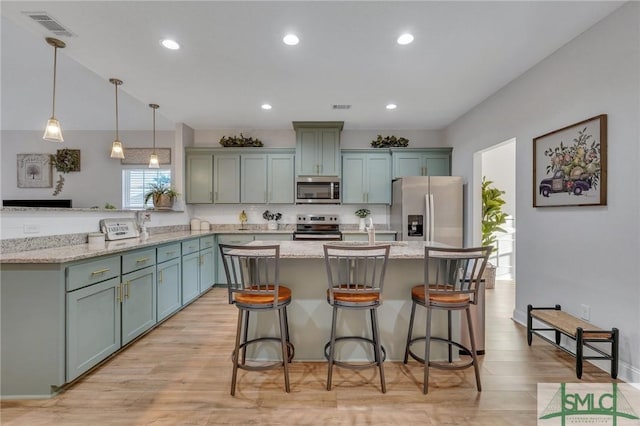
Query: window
[{"x": 135, "y": 183}]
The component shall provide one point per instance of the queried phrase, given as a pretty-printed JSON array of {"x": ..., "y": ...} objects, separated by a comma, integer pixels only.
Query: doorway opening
[{"x": 498, "y": 164}]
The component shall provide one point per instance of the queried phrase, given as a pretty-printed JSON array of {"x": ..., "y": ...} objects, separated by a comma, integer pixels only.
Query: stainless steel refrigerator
[{"x": 428, "y": 208}]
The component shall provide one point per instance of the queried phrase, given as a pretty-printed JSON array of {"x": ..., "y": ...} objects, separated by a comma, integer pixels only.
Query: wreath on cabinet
[{"x": 389, "y": 142}]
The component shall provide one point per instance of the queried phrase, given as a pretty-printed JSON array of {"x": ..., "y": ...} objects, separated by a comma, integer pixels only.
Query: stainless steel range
[{"x": 323, "y": 227}]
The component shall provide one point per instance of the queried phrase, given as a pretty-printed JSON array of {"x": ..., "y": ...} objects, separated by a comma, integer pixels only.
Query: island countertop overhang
[{"x": 313, "y": 249}]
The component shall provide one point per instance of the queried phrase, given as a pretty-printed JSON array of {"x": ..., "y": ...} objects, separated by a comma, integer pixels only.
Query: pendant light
[
  {"x": 53, "y": 131},
  {"x": 153, "y": 158},
  {"x": 116, "y": 148}
]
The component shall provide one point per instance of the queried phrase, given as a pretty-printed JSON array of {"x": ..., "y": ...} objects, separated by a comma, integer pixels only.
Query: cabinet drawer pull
[
  {"x": 100, "y": 271},
  {"x": 118, "y": 292},
  {"x": 201, "y": 259},
  {"x": 169, "y": 253},
  {"x": 159, "y": 277},
  {"x": 142, "y": 259},
  {"x": 127, "y": 287}
]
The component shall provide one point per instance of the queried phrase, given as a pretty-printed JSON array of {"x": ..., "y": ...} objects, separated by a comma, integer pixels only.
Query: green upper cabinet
[
  {"x": 246, "y": 175},
  {"x": 318, "y": 148},
  {"x": 226, "y": 178},
  {"x": 366, "y": 177},
  {"x": 267, "y": 178},
  {"x": 421, "y": 162},
  {"x": 254, "y": 179},
  {"x": 280, "y": 178},
  {"x": 199, "y": 178}
]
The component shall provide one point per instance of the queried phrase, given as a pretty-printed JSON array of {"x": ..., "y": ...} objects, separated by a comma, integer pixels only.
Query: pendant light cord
[
  {"x": 55, "y": 66},
  {"x": 117, "y": 136},
  {"x": 154, "y": 130}
]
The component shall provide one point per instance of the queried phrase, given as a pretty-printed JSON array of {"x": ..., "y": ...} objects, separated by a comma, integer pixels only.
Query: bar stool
[
  {"x": 253, "y": 279},
  {"x": 355, "y": 277},
  {"x": 451, "y": 281}
]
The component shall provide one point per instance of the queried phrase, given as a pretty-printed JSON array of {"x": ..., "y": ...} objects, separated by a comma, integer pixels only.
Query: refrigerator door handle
[{"x": 432, "y": 220}]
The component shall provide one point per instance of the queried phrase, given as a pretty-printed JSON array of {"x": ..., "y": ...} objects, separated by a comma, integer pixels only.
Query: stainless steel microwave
[{"x": 318, "y": 190}]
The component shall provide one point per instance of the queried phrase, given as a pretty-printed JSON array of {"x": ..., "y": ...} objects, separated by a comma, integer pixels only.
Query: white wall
[
  {"x": 498, "y": 165},
  {"x": 100, "y": 178},
  {"x": 574, "y": 255},
  {"x": 286, "y": 138}
]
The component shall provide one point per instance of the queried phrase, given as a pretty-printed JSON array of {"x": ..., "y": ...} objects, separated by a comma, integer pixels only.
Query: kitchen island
[{"x": 302, "y": 269}]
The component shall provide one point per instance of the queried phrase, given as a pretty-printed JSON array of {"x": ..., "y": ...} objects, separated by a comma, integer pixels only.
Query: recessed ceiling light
[
  {"x": 170, "y": 44},
  {"x": 265, "y": 106},
  {"x": 405, "y": 38},
  {"x": 291, "y": 39},
  {"x": 391, "y": 106}
]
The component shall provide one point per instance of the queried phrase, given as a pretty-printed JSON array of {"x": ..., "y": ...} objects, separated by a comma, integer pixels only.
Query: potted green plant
[
  {"x": 162, "y": 194},
  {"x": 492, "y": 219},
  {"x": 272, "y": 218},
  {"x": 362, "y": 214}
]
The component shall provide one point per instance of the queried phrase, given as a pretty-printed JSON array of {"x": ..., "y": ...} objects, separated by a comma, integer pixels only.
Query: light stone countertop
[
  {"x": 70, "y": 253},
  {"x": 313, "y": 249}
]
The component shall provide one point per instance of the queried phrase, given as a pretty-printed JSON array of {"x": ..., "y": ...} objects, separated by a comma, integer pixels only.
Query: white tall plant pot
[{"x": 489, "y": 276}]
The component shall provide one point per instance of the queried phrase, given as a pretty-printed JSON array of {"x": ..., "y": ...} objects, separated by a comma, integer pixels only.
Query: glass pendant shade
[
  {"x": 53, "y": 132},
  {"x": 116, "y": 150},
  {"x": 153, "y": 161}
]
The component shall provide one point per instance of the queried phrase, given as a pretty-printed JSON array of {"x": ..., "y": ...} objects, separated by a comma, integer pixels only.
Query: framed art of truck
[{"x": 570, "y": 165}]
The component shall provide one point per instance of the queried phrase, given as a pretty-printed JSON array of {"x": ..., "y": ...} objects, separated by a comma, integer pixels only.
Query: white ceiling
[{"x": 232, "y": 60}]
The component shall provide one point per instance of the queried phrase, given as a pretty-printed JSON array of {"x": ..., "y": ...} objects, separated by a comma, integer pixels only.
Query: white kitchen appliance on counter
[{"x": 119, "y": 229}]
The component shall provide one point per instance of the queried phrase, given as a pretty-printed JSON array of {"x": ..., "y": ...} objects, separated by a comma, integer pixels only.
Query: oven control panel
[{"x": 317, "y": 219}]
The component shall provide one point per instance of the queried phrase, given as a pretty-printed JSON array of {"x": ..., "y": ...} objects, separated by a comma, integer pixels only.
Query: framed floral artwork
[
  {"x": 34, "y": 171},
  {"x": 570, "y": 165}
]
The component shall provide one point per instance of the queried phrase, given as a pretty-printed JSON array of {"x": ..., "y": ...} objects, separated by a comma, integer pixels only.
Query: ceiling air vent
[
  {"x": 341, "y": 106},
  {"x": 49, "y": 23}
]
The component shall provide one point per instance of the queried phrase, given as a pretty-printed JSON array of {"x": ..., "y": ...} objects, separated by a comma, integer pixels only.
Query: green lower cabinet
[
  {"x": 138, "y": 303},
  {"x": 233, "y": 239},
  {"x": 190, "y": 274},
  {"x": 168, "y": 288},
  {"x": 93, "y": 325},
  {"x": 206, "y": 270}
]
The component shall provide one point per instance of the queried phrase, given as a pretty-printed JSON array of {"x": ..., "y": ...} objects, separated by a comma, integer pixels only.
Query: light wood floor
[{"x": 180, "y": 374}]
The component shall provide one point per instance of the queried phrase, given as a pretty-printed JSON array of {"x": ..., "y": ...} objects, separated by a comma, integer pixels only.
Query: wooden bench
[{"x": 583, "y": 333}]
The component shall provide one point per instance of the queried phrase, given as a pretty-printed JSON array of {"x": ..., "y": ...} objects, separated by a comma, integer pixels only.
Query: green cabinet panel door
[
  {"x": 138, "y": 303},
  {"x": 199, "y": 178},
  {"x": 206, "y": 270},
  {"x": 317, "y": 152},
  {"x": 280, "y": 178},
  {"x": 254, "y": 178},
  {"x": 421, "y": 162},
  {"x": 233, "y": 239},
  {"x": 190, "y": 277},
  {"x": 168, "y": 288},
  {"x": 226, "y": 179},
  {"x": 93, "y": 325},
  {"x": 366, "y": 178}
]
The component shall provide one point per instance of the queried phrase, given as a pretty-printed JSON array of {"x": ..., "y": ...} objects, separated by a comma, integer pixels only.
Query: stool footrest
[
  {"x": 352, "y": 365},
  {"x": 270, "y": 365},
  {"x": 443, "y": 365}
]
